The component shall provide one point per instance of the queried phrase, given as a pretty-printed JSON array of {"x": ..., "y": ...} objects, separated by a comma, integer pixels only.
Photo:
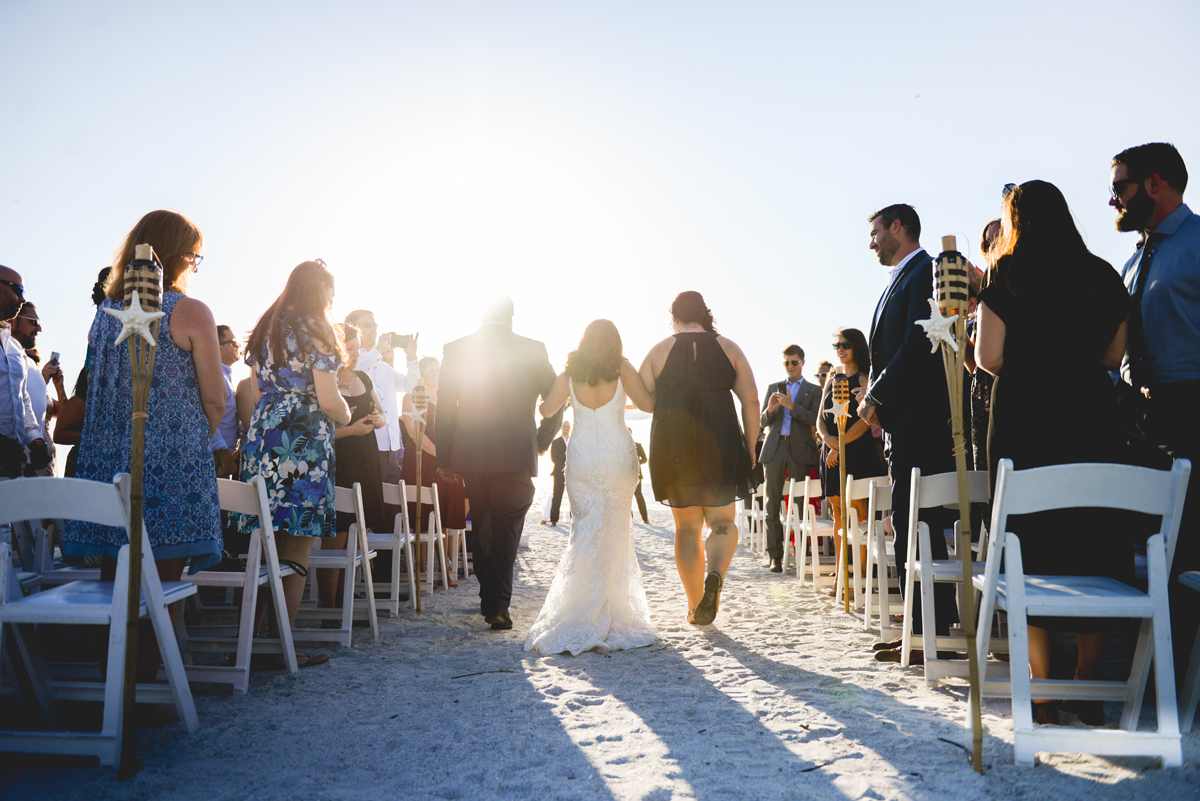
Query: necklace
[{"x": 349, "y": 383}]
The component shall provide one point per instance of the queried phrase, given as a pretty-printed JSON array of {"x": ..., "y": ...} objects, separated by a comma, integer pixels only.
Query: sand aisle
[{"x": 779, "y": 699}]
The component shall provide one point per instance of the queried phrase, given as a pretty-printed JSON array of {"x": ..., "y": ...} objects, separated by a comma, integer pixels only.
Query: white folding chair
[
  {"x": 857, "y": 489},
  {"x": 881, "y": 576},
  {"x": 101, "y": 603},
  {"x": 433, "y": 537},
  {"x": 262, "y": 568},
  {"x": 53, "y": 571},
  {"x": 1108, "y": 486},
  {"x": 814, "y": 530},
  {"x": 928, "y": 492},
  {"x": 1191, "y": 683},
  {"x": 355, "y": 555},
  {"x": 399, "y": 542}
]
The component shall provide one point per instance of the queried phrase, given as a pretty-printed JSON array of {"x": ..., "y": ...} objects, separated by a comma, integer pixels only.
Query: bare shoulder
[
  {"x": 731, "y": 349},
  {"x": 191, "y": 312}
]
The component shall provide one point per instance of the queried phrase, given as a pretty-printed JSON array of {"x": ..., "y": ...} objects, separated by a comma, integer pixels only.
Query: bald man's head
[{"x": 12, "y": 293}]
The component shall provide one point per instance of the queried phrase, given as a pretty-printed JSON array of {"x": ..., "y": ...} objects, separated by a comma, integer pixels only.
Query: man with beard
[
  {"x": 24, "y": 328},
  {"x": 19, "y": 427},
  {"x": 907, "y": 396},
  {"x": 1162, "y": 362}
]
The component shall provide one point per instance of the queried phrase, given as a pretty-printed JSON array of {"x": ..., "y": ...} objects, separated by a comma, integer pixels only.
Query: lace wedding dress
[{"x": 597, "y": 599}]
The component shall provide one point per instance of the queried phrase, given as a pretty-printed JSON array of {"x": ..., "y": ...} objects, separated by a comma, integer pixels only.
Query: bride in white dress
[{"x": 597, "y": 599}]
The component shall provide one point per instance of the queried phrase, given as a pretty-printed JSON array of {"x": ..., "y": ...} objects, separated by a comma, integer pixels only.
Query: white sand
[{"x": 779, "y": 699}]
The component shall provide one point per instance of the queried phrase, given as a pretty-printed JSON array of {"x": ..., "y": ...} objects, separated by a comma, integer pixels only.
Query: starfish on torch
[
  {"x": 937, "y": 328},
  {"x": 135, "y": 320}
]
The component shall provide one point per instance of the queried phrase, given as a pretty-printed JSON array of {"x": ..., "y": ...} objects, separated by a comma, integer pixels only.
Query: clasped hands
[{"x": 866, "y": 409}]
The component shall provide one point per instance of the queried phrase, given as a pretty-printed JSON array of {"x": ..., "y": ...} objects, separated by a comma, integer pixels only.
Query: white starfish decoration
[
  {"x": 841, "y": 409},
  {"x": 415, "y": 416},
  {"x": 135, "y": 320},
  {"x": 937, "y": 328}
]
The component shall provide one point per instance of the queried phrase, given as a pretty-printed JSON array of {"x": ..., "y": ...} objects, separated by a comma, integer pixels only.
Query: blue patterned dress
[
  {"x": 290, "y": 441},
  {"x": 181, "y": 508}
]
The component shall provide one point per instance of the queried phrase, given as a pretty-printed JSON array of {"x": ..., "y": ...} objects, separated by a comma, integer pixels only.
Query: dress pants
[
  {"x": 641, "y": 502},
  {"x": 774, "y": 469},
  {"x": 938, "y": 521},
  {"x": 1171, "y": 421},
  {"x": 499, "y": 502},
  {"x": 560, "y": 483}
]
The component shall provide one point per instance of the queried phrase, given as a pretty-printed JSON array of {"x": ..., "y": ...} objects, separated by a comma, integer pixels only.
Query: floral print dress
[{"x": 290, "y": 441}]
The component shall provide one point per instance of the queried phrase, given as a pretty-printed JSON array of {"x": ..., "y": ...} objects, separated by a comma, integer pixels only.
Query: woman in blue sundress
[
  {"x": 186, "y": 401},
  {"x": 294, "y": 356}
]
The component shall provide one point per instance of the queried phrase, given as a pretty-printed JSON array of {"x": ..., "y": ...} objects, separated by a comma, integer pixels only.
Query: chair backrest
[
  {"x": 1098, "y": 485},
  {"x": 394, "y": 494},
  {"x": 941, "y": 489},
  {"x": 428, "y": 494},
  {"x": 66, "y": 498},
  {"x": 880, "y": 496},
  {"x": 859, "y": 489},
  {"x": 348, "y": 499},
  {"x": 247, "y": 498}
]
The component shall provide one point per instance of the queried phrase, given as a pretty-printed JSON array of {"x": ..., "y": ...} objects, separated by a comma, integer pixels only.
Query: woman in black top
[
  {"x": 700, "y": 459},
  {"x": 1043, "y": 270}
]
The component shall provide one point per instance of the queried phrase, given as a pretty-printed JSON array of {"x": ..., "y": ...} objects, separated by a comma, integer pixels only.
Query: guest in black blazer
[
  {"x": 558, "y": 457},
  {"x": 789, "y": 412},
  {"x": 486, "y": 431},
  {"x": 907, "y": 392}
]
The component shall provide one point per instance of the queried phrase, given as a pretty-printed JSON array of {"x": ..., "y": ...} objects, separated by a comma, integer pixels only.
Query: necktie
[{"x": 1137, "y": 340}]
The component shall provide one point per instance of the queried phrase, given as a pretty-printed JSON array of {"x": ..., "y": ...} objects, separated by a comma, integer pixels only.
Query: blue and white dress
[{"x": 181, "y": 508}]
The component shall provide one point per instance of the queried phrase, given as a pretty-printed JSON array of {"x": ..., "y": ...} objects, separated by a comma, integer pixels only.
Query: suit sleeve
[
  {"x": 548, "y": 429},
  {"x": 449, "y": 388},
  {"x": 905, "y": 364},
  {"x": 806, "y": 412},
  {"x": 766, "y": 419}
]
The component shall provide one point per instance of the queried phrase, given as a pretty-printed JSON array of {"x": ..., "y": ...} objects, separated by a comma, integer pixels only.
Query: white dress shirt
[
  {"x": 389, "y": 385},
  {"x": 17, "y": 418}
]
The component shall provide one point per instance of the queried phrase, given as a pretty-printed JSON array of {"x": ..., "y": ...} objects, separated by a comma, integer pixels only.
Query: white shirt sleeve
[{"x": 412, "y": 376}]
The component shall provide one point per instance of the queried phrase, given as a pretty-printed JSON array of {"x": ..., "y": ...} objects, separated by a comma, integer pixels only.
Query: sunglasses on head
[{"x": 791, "y": 362}]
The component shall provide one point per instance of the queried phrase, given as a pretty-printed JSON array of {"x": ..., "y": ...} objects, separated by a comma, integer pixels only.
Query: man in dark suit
[
  {"x": 490, "y": 384},
  {"x": 907, "y": 391},
  {"x": 558, "y": 457},
  {"x": 789, "y": 412}
]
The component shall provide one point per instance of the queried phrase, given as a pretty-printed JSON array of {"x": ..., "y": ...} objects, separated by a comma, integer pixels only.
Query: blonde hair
[{"x": 172, "y": 236}]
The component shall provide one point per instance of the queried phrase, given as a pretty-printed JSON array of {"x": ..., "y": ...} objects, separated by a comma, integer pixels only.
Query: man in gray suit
[{"x": 789, "y": 413}]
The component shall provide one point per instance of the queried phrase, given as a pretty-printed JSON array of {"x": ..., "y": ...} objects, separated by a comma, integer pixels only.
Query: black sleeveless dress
[
  {"x": 698, "y": 454},
  {"x": 357, "y": 459}
]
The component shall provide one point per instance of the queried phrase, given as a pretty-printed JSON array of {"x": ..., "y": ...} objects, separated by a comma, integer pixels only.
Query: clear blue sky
[{"x": 590, "y": 159}]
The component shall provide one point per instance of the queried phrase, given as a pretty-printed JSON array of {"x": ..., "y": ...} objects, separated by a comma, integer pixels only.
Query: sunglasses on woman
[{"x": 841, "y": 346}]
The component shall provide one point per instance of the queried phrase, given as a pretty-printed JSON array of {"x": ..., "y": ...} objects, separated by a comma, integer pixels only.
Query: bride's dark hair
[{"x": 598, "y": 357}]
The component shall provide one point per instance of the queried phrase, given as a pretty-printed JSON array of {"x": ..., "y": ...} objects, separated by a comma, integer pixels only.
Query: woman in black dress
[
  {"x": 700, "y": 459},
  {"x": 1043, "y": 269},
  {"x": 862, "y": 457},
  {"x": 356, "y": 457}
]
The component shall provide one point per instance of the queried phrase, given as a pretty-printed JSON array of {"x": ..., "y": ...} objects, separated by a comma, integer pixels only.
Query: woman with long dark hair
[
  {"x": 862, "y": 457},
  {"x": 295, "y": 355},
  {"x": 700, "y": 458},
  {"x": 1042, "y": 267},
  {"x": 597, "y": 599}
]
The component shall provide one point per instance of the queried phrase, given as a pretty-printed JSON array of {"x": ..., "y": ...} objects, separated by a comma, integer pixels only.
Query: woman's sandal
[{"x": 706, "y": 611}]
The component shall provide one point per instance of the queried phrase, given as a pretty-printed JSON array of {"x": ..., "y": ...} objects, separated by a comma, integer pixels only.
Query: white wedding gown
[{"x": 597, "y": 599}]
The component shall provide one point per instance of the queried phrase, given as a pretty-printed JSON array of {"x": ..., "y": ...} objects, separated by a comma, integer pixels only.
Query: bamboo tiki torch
[
  {"x": 953, "y": 293},
  {"x": 420, "y": 402},
  {"x": 143, "y": 287},
  {"x": 841, "y": 411}
]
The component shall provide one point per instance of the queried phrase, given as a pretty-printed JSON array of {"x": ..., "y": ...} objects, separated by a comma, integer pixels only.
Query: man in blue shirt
[
  {"x": 789, "y": 412},
  {"x": 1162, "y": 363}
]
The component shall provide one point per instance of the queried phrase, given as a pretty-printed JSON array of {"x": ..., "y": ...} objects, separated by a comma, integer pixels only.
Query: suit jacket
[
  {"x": 490, "y": 385},
  {"x": 804, "y": 417},
  {"x": 558, "y": 456},
  {"x": 908, "y": 380},
  {"x": 641, "y": 454}
]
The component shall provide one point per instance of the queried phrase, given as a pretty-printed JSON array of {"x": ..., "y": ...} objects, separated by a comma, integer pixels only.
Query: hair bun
[{"x": 689, "y": 307}]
